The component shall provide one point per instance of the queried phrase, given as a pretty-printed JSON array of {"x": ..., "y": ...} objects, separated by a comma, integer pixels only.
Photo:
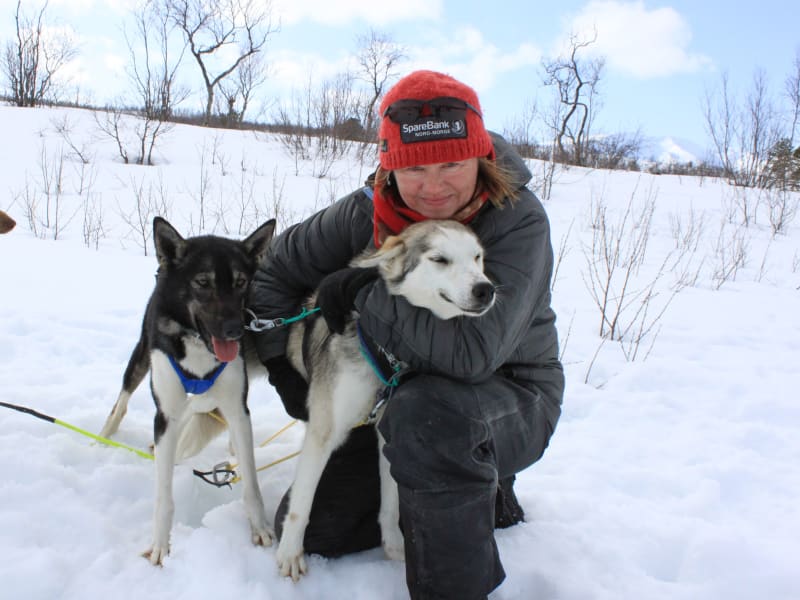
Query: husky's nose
[
  {"x": 483, "y": 293},
  {"x": 232, "y": 329}
]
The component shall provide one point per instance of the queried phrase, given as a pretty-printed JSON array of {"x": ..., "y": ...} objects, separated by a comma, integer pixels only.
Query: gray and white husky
[
  {"x": 190, "y": 342},
  {"x": 434, "y": 264}
]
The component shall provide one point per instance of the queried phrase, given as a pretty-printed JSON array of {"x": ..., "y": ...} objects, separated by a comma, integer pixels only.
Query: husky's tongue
[{"x": 226, "y": 350}]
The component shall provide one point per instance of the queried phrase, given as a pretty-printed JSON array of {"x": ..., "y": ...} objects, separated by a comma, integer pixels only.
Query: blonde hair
[{"x": 493, "y": 180}]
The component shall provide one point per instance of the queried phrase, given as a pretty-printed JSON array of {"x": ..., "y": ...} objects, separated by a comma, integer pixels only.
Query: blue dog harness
[{"x": 196, "y": 386}]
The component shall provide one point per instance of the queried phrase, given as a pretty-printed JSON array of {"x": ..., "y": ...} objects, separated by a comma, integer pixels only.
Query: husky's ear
[
  {"x": 387, "y": 257},
  {"x": 170, "y": 246},
  {"x": 257, "y": 243}
]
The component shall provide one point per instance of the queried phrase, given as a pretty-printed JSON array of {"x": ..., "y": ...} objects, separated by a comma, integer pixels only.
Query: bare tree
[
  {"x": 378, "y": 56},
  {"x": 34, "y": 58},
  {"x": 520, "y": 131},
  {"x": 318, "y": 125},
  {"x": 719, "y": 122},
  {"x": 576, "y": 81},
  {"x": 215, "y": 29},
  {"x": 615, "y": 151},
  {"x": 792, "y": 90},
  {"x": 153, "y": 74},
  {"x": 154, "y": 65},
  {"x": 743, "y": 132},
  {"x": 251, "y": 73}
]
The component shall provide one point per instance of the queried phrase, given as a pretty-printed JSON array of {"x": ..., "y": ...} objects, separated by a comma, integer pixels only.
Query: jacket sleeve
[
  {"x": 300, "y": 257},
  {"x": 519, "y": 261}
]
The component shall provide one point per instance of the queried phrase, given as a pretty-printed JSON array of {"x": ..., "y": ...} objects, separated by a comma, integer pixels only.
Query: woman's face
[{"x": 440, "y": 190}]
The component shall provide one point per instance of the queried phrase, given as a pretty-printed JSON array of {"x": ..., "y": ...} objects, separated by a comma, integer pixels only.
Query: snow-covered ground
[{"x": 672, "y": 476}]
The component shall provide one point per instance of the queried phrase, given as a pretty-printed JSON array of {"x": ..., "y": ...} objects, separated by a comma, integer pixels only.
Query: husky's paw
[
  {"x": 156, "y": 554},
  {"x": 392, "y": 537},
  {"x": 262, "y": 536},
  {"x": 394, "y": 546},
  {"x": 290, "y": 562}
]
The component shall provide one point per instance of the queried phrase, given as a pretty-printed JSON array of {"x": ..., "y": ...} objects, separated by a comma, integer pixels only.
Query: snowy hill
[
  {"x": 671, "y": 150},
  {"x": 673, "y": 472}
]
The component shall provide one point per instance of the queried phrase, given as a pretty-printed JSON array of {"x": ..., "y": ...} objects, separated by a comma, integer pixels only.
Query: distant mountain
[{"x": 671, "y": 150}]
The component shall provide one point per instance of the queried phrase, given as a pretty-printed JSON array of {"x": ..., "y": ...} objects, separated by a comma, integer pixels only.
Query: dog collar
[
  {"x": 196, "y": 386},
  {"x": 386, "y": 366}
]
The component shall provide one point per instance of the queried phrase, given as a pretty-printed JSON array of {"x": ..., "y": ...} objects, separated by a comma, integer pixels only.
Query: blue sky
[{"x": 660, "y": 56}]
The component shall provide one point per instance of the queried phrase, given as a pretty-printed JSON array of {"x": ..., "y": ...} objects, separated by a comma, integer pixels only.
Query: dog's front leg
[
  {"x": 241, "y": 431},
  {"x": 167, "y": 431},
  {"x": 389, "y": 515},
  {"x": 319, "y": 442}
]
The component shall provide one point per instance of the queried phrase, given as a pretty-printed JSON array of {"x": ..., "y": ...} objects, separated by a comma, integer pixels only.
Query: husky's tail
[{"x": 198, "y": 433}]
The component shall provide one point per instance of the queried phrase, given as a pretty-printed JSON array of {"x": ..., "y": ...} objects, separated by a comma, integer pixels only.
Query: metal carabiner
[
  {"x": 220, "y": 476},
  {"x": 257, "y": 325}
]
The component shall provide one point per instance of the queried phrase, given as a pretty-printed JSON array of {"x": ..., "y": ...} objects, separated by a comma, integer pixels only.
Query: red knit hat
[{"x": 429, "y": 133}]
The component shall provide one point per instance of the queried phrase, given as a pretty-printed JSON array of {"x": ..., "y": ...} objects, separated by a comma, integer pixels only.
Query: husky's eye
[
  {"x": 240, "y": 282},
  {"x": 477, "y": 258},
  {"x": 439, "y": 259},
  {"x": 202, "y": 282}
]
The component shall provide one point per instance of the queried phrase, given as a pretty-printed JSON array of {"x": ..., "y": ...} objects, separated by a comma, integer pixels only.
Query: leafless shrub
[
  {"x": 246, "y": 201},
  {"x": 93, "y": 222},
  {"x": 321, "y": 123},
  {"x": 218, "y": 157},
  {"x": 742, "y": 131},
  {"x": 29, "y": 200},
  {"x": 202, "y": 194},
  {"x": 687, "y": 234},
  {"x": 64, "y": 129},
  {"x": 35, "y": 58},
  {"x": 149, "y": 201},
  {"x": 278, "y": 207},
  {"x": 561, "y": 254},
  {"x": 52, "y": 179},
  {"x": 43, "y": 200},
  {"x": 112, "y": 124},
  {"x": 762, "y": 270},
  {"x": 564, "y": 340},
  {"x": 86, "y": 175},
  {"x": 615, "y": 151},
  {"x": 625, "y": 300},
  {"x": 782, "y": 206},
  {"x": 135, "y": 133},
  {"x": 520, "y": 132},
  {"x": 239, "y": 90},
  {"x": 730, "y": 254},
  {"x": 593, "y": 359},
  {"x": 614, "y": 257}
]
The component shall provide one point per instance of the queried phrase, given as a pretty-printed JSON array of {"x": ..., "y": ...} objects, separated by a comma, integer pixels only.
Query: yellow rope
[
  {"x": 277, "y": 433},
  {"x": 264, "y": 443},
  {"x": 217, "y": 417},
  {"x": 237, "y": 479}
]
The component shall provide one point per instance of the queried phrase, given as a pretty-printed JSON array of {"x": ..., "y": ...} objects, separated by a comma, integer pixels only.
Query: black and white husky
[
  {"x": 190, "y": 342},
  {"x": 436, "y": 265}
]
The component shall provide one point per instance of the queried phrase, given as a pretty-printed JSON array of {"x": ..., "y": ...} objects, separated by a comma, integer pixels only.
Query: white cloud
[
  {"x": 638, "y": 41},
  {"x": 292, "y": 71},
  {"x": 472, "y": 59},
  {"x": 77, "y": 7},
  {"x": 338, "y": 12}
]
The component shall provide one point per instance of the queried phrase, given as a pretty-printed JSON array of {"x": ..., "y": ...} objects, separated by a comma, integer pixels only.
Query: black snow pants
[{"x": 454, "y": 449}]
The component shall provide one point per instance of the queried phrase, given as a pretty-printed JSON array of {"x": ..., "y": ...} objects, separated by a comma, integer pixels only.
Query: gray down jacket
[{"x": 516, "y": 339}]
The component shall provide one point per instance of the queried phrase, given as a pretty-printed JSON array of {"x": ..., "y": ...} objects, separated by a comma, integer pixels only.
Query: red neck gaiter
[{"x": 390, "y": 216}]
